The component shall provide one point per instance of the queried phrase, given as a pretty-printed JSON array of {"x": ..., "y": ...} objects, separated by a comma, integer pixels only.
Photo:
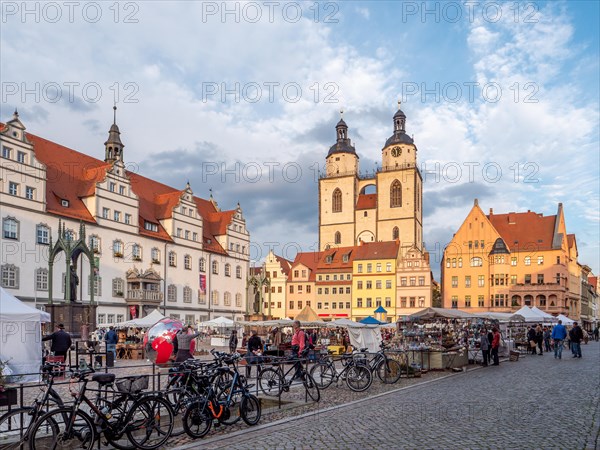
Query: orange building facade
[{"x": 500, "y": 262}]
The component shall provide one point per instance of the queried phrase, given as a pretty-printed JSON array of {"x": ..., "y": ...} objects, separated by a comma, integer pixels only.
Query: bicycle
[
  {"x": 219, "y": 401},
  {"x": 145, "y": 419},
  {"x": 388, "y": 370},
  {"x": 358, "y": 376},
  {"x": 17, "y": 424},
  {"x": 273, "y": 382}
]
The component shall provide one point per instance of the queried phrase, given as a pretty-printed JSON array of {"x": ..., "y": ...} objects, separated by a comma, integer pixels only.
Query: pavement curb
[{"x": 246, "y": 431}]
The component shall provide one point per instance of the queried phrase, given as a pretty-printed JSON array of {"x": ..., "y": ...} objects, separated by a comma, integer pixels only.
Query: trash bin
[{"x": 110, "y": 359}]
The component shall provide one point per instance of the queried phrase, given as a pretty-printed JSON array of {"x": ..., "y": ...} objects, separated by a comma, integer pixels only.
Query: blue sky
[{"x": 537, "y": 137}]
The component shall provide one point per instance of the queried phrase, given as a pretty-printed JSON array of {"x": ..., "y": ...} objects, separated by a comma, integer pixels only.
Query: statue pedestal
[
  {"x": 74, "y": 316},
  {"x": 256, "y": 317}
]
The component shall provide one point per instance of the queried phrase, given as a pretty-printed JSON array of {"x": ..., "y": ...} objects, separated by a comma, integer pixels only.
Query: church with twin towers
[{"x": 348, "y": 215}]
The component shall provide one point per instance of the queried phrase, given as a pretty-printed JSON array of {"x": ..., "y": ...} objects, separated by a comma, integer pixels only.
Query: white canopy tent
[
  {"x": 547, "y": 317},
  {"x": 565, "y": 320},
  {"x": 501, "y": 317},
  {"x": 143, "y": 322},
  {"x": 21, "y": 340},
  {"x": 218, "y": 322},
  {"x": 529, "y": 315}
]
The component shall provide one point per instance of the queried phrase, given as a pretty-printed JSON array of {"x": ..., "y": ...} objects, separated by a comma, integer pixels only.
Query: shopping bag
[{"x": 532, "y": 344}]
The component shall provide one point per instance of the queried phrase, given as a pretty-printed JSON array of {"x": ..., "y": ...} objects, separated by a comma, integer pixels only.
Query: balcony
[{"x": 145, "y": 295}]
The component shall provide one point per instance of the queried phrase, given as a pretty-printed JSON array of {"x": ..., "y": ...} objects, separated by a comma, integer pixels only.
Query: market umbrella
[{"x": 371, "y": 321}]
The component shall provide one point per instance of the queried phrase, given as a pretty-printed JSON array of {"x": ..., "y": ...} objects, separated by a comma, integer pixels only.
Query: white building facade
[{"x": 154, "y": 246}]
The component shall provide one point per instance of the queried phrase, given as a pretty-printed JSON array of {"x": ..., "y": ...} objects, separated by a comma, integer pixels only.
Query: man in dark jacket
[
  {"x": 61, "y": 341},
  {"x": 111, "y": 339},
  {"x": 576, "y": 335},
  {"x": 253, "y": 355}
]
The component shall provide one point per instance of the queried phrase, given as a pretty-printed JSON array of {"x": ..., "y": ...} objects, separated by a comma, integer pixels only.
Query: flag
[
  {"x": 203, "y": 284},
  {"x": 133, "y": 311}
]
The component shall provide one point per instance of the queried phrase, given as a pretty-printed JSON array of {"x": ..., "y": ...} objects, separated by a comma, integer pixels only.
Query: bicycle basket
[
  {"x": 131, "y": 385},
  {"x": 360, "y": 359}
]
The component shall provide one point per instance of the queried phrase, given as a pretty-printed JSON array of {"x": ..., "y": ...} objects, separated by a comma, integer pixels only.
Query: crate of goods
[{"x": 514, "y": 355}]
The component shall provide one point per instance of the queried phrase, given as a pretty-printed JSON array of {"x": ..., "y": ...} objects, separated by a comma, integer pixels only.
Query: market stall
[
  {"x": 223, "y": 325},
  {"x": 130, "y": 335}
]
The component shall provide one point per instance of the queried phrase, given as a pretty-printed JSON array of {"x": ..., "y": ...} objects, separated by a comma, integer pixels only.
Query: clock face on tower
[{"x": 396, "y": 151}]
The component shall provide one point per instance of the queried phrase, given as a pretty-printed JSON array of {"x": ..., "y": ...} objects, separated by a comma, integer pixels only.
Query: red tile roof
[
  {"x": 377, "y": 250},
  {"x": 366, "y": 201},
  {"x": 72, "y": 176},
  {"x": 284, "y": 264},
  {"x": 308, "y": 259},
  {"x": 531, "y": 231},
  {"x": 337, "y": 263}
]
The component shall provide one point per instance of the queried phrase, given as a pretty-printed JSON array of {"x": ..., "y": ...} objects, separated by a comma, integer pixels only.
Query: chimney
[
  {"x": 491, "y": 211},
  {"x": 476, "y": 202}
]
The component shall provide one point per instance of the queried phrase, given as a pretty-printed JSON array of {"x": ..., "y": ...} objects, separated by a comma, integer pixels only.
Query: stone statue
[
  {"x": 74, "y": 283},
  {"x": 256, "y": 305}
]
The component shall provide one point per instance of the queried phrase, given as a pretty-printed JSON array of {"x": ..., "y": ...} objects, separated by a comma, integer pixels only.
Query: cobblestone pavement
[{"x": 537, "y": 402}]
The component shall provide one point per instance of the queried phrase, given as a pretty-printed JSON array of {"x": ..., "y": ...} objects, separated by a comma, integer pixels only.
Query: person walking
[
  {"x": 254, "y": 353},
  {"x": 539, "y": 338},
  {"x": 596, "y": 333},
  {"x": 490, "y": 337},
  {"x": 111, "y": 339},
  {"x": 576, "y": 335},
  {"x": 532, "y": 339},
  {"x": 496, "y": 346},
  {"x": 233, "y": 341},
  {"x": 547, "y": 334},
  {"x": 559, "y": 333},
  {"x": 184, "y": 341},
  {"x": 60, "y": 341},
  {"x": 485, "y": 347}
]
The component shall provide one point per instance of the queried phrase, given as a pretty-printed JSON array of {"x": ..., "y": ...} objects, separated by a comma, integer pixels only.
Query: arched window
[
  {"x": 202, "y": 265},
  {"x": 215, "y": 297},
  {"x": 476, "y": 262},
  {"x": 396, "y": 194},
  {"x": 338, "y": 237},
  {"x": 172, "y": 293},
  {"x": 215, "y": 267},
  {"x": 155, "y": 255},
  {"x": 395, "y": 233},
  {"x": 227, "y": 270},
  {"x": 118, "y": 248},
  {"x": 337, "y": 200},
  {"x": 172, "y": 259},
  {"x": 227, "y": 299},
  {"x": 238, "y": 271},
  {"x": 187, "y": 262},
  {"x": 238, "y": 299},
  {"x": 187, "y": 294}
]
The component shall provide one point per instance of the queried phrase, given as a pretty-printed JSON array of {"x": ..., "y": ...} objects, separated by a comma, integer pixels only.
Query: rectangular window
[
  {"x": 403, "y": 281},
  {"x": 178, "y": 233},
  {"x": 347, "y": 290},
  {"x": 41, "y": 279},
  {"x": 43, "y": 234},
  {"x": 421, "y": 281},
  {"x": 21, "y": 157},
  {"x": 326, "y": 291},
  {"x": 29, "y": 193},
  {"x": 105, "y": 213},
  {"x": 299, "y": 289},
  {"x": 128, "y": 219},
  {"x": 455, "y": 281},
  {"x": 333, "y": 305},
  {"x": 513, "y": 279},
  {"x": 303, "y": 273},
  {"x": 540, "y": 278},
  {"x": 117, "y": 216},
  {"x": 194, "y": 236},
  {"x": 308, "y": 288},
  {"x": 413, "y": 281},
  {"x": 359, "y": 268},
  {"x": 291, "y": 288},
  {"x": 480, "y": 301},
  {"x": 97, "y": 285},
  {"x": 468, "y": 281},
  {"x": 13, "y": 188},
  {"x": 388, "y": 284},
  {"x": 369, "y": 284},
  {"x": 481, "y": 280},
  {"x": 6, "y": 152},
  {"x": 388, "y": 267},
  {"x": 528, "y": 278},
  {"x": 378, "y": 301},
  {"x": 528, "y": 260},
  {"x": 540, "y": 260},
  {"x": 369, "y": 268},
  {"x": 455, "y": 300},
  {"x": 122, "y": 190},
  {"x": 467, "y": 301},
  {"x": 513, "y": 261},
  {"x": 378, "y": 284},
  {"x": 299, "y": 304},
  {"x": 296, "y": 273},
  {"x": 112, "y": 187},
  {"x": 558, "y": 260},
  {"x": 319, "y": 291},
  {"x": 334, "y": 290},
  {"x": 319, "y": 305},
  {"x": 359, "y": 285},
  {"x": 359, "y": 302},
  {"x": 388, "y": 302},
  {"x": 413, "y": 301},
  {"x": 378, "y": 267},
  {"x": 369, "y": 302},
  {"x": 111, "y": 318}
]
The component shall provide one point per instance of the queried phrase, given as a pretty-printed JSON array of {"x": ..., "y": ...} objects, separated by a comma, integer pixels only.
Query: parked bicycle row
[{"x": 123, "y": 414}]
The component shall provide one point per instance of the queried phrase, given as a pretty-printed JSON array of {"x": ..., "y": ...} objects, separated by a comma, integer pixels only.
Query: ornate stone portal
[{"x": 77, "y": 316}]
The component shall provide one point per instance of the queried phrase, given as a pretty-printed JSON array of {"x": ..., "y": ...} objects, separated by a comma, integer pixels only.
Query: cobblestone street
[{"x": 537, "y": 402}]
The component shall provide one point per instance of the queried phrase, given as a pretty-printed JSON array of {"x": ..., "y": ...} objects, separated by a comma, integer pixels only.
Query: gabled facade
[
  {"x": 276, "y": 269},
  {"x": 155, "y": 246},
  {"x": 301, "y": 283},
  {"x": 501, "y": 262}
]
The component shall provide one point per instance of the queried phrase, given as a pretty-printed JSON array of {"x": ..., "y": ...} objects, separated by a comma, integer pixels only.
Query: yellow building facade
[
  {"x": 277, "y": 270},
  {"x": 500, "y": 262},
  {"x": 374, "y": 279}
]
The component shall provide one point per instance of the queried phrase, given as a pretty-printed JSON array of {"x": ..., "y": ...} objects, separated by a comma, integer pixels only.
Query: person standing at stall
[
  {"x": 233, "y": 341},
  {"x": 254, "y": 353},
  {"x": 532, "y": 340},
  {"x": 539, "y": 338},
  {"x": 485, "y": 347},
  {"x": 495, "y": 346},
  {"x": 111, "y": 339},
  {"x": 60, "y": 341}
]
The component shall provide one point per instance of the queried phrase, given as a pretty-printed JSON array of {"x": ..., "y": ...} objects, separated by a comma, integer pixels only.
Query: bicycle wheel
[
  {"x": 270, "y": 382},
  {"x": 197, "y": 419},
  {"x": 312, "y": 389},
  {"x": 358, "y": 378},
  {"x": 115, "y": 436},
  {"x": 250, "y": 409},
  {"x": 50, "y": 431},
  {"x": 14, "y": 427},
  {"x": 323, "y": 374},
  {"x": 233, "y": 413},
  {"x": 388, "y": 370},
  {"x": 150, "y": 422}
]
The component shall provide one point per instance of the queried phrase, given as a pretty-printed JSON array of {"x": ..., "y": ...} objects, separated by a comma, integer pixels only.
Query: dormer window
[
  {"x": 328, "y": 259},
  {"x": 150, "y": 226},
  {"x": 64, "y": 203}
]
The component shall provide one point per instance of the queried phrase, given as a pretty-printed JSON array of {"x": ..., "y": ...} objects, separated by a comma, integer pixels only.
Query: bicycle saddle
[{"x": 103, "y": 378}]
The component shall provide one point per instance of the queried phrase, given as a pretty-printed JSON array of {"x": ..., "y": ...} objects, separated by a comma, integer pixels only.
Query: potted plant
[{"x": 8, "y": 395}]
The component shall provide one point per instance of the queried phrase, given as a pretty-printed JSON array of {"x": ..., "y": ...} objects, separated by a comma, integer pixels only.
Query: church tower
[
  {"x": 113, "y": 147},
  {"x": 400, "y": 189},
  {"x": 338, "y": 192}
]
